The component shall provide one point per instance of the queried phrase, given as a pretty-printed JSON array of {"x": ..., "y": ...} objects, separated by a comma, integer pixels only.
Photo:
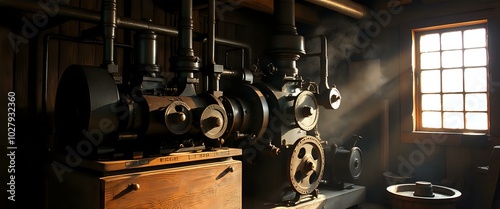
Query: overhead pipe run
[
  {"x": 92, "y": 16},
  {"x": 346, "y": 7}
]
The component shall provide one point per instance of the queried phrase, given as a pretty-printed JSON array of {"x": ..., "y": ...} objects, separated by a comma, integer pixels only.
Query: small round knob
[
  {"x": 179, "y": 117},
  {"x": 135, "y": 186}
]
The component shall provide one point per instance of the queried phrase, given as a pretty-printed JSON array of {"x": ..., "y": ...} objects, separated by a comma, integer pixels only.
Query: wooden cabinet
[{"x": 201, "y": 183}]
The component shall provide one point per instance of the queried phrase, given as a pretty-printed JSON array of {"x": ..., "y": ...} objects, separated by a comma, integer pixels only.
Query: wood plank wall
[{"x": 21, "y": 72}]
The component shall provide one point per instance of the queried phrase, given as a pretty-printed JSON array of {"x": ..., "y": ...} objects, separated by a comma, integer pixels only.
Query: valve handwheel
[{"x": 306, "y": 165}]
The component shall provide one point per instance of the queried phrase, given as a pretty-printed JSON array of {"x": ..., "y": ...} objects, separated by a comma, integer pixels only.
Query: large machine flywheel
[{"x": 306, "y": 165}]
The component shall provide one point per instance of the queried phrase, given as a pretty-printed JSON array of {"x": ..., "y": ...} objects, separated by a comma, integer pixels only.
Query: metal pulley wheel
[
  {"x": 356, "y": 162},
  {"x": 213, "y": 121},
  {"x": 306, "y": 165},
  {"x": 306, "y": 110},
  {"x": 86, "y": 97},
  {"x": 178, "y": 118},
  {"x": 348, "y": 164}
]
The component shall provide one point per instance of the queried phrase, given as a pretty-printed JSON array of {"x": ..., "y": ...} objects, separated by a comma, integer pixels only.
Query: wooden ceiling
[{"x": 305, "y": 12}]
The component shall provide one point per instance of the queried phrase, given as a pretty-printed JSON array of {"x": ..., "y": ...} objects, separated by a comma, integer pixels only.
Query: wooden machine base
[{"x": 202, "y": 180}]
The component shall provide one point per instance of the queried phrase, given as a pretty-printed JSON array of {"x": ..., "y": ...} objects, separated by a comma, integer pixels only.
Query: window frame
[
  {"x": 416, "y": 34},
  {"x": 407, "y": 129}
]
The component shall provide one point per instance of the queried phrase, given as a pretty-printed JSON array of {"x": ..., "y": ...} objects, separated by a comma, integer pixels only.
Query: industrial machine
[{"x": 271, "y": 115}]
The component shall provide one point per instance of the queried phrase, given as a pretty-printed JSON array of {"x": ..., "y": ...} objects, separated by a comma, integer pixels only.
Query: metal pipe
[
  {"x": 186, "y": 29},
  {"x": 286, "y": 46},
  {"x": 209, "y": 49},
  {"x": 346, "y": 7},
  {"x": 323, "y": 56},
  {"x": 128, "y": 23},
  {"x": 109, "y": 25},
  {"x": 284, "y": 16},
  {"x": 211, "y": 32},
  {"x": 323, "y": 84},
  {"x": 62, "y": 11},
  {"x": 90, "y": 16},
  {"x": 231, "y": 43}
]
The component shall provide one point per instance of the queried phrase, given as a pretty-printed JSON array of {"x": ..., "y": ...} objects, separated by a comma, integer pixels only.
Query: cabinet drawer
[{"x": 209, "y": 185}]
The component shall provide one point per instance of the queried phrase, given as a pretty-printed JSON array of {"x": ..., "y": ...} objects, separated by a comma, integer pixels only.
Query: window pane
[
  {"x": 477, "y": 121},
  {"x": 430, "y": 60},
  {"x": 429, "y": 42},
  {"x": 475, "y": 79},
  {"x": 475, "y": 38},
  {"x": 431, "y": 119},
  {"x": 475, "y": 57},
  {"x": 431, "y": 102},
  {"x": 452, "y": 80},
  {"x": 451, "y": 40},
  {"x": 453, "y": 120},
  {"x": 430, "y": 81},
  {"x": 452, "y": 59},
  {"x": 453, "y": 102},
  {"x": 476, "y": 102}
]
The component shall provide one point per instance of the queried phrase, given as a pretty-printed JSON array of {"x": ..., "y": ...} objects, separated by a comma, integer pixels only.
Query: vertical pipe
[
  {"x": 286, "y": 45},
  {"x": 109, "y": 25},
  {"x": 186, "y": 29},
  {"x": 211, "y": 32},
  {"x": 323, "y": 84},
  {"x": 209, "y": 77},
  {"x": 185, "y": 64},
  {"x": 284, "y": 16}
]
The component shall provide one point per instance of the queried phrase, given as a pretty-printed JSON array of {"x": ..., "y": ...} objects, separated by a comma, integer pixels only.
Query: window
[{"x": 451, "y": 78}]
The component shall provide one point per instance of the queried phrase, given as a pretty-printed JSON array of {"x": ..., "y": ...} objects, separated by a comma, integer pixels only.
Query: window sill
[{"x": 449, "y": 139}]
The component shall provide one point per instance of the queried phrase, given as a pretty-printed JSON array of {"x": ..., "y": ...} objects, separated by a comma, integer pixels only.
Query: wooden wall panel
[
  {"x": 147, "y": 10},
  {"x": 68, "y": 51},
  {"x": 86, "y": 52}
]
